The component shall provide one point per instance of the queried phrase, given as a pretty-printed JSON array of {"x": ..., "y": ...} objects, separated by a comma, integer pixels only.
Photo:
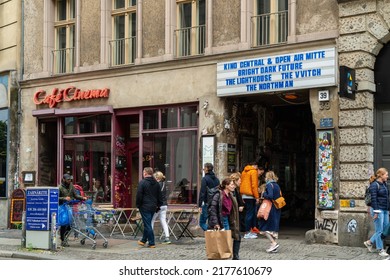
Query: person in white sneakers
[
  {"x": 250, "y": 196},
  {"x": 270, "y": 227},
  {"x": 162, "y": 213},
  {"x": 379, "y": 210}
]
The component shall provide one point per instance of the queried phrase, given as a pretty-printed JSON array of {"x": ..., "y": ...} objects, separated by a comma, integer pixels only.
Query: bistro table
[{"x": 118, "y": 213}]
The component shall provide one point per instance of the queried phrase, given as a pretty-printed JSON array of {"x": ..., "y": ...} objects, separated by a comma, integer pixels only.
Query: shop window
[
  {"x": 47, "y": 150},
  {"x": 169, "y": 118},
  {"x": 87, "y": 124},
  {"x": 270, "y": 24},
  {"x": 88, "y": 160},
  {"x": 123, "y": 43},
  {"x": 175, "y": 155},
  {"x": 191, "y": 33},
  {"x": 188, "y": 116},
  {"x": 103, "y": 123},
  {"x": 150, "y": 119},
  {"x": 70, "y": 125},
  {"x": 64, "y": 27},
  {"x": 173, "y": 151}
]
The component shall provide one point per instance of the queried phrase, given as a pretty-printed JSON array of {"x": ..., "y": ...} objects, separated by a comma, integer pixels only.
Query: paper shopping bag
[{"x": 219, "y": 244}]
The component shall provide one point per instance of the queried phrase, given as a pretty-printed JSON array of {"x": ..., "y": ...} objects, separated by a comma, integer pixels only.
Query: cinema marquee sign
[{"x": 68, "y": 95}]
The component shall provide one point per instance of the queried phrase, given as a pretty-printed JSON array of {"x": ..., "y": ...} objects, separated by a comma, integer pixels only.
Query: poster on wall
[
  {"x": 208, "y": 147},
  {"x": 325, "y": 169},
  {"x": 231, "y": 158}
]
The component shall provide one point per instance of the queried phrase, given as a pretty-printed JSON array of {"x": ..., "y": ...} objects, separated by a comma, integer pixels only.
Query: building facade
[
  {"x": 11, "y": 60},
  {"x": 112, "y": 86}
]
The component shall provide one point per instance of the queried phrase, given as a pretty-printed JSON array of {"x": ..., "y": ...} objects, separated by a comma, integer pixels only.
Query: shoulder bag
[{"x": 264, "y": 209}]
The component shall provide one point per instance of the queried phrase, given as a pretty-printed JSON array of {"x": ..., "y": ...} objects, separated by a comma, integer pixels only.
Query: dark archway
[{"x": 382, "y": 109}]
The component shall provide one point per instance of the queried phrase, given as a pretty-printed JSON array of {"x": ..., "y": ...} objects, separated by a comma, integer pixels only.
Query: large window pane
[
  {"x": 88, "y": 160},
  {"x": 174, "y": 154}
]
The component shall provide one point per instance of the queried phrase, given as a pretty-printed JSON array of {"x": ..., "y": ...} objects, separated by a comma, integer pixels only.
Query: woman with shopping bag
[
  {"x": 269, "y": 227},
  {"x": 224, "y": 214}
]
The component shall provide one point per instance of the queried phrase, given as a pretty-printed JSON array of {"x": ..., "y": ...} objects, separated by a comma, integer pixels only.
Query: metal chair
[{"x": 183, "y": 223}]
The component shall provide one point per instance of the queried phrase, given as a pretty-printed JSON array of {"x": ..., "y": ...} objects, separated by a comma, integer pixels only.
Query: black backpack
[
  {"x": 367, "y": 195},
  {"x": 211, "y": 191}
]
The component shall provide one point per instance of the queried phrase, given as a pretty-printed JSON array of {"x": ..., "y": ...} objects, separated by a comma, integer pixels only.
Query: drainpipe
[{"x": 19, "y": 112}]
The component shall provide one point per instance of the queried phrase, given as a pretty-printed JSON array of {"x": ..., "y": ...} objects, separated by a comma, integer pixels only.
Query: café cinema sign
[{"x": 68, "y": 94}]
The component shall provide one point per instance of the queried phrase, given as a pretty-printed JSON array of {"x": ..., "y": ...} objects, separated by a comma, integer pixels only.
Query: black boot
[{"x": 236, "y": 249}]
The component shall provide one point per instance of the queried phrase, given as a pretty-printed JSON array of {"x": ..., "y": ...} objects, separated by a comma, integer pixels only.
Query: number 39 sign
[{"x": 323, "y": 95}]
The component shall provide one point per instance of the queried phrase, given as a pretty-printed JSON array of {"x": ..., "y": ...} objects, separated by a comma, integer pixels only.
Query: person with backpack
[
  {"x": 209, "y": 186},
  {"x": 379, "y": 210}
]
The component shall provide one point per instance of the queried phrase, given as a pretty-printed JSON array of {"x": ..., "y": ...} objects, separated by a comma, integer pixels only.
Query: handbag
[
  {"x": 264, "y": 209},
  {"x": 279, "y": 202},
  {"x": 219, "y": 244}
]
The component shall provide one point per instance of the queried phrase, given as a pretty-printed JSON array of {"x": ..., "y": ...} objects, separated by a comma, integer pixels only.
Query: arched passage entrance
[{"x": 382, "y": 109}]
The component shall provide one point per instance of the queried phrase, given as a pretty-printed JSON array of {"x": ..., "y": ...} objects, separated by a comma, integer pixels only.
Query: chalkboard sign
[
  {"x": 18, "y": 202},
  {"x": 17, "y": 206}
]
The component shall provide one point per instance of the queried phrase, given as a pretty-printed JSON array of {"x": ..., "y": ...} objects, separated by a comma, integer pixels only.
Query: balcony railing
[
  {"x": 122, "y": 51},
  {"x": 63, "y": 60},
  {"x": 269, "y": 29},
  {"x": 190, "y": 41}
]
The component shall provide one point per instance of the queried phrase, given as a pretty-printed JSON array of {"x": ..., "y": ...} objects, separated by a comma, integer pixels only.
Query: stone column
[{"x": 362, "y": 29}]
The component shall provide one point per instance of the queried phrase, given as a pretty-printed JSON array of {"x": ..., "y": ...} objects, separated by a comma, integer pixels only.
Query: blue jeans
[
  {"x": 250, "y": 219},
  {"x": 203, "y": 218},
  {"x": 148, "y": 234},
  {"x": 379, "y": 223},
  {"x": 225, "y": 222}
]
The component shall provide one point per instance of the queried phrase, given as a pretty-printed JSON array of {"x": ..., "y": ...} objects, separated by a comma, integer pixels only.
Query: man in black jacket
[
  {"x": 148, "y": 201},
  {"x": 67, "y": 193},
  {"x": 209, "y": 186}
]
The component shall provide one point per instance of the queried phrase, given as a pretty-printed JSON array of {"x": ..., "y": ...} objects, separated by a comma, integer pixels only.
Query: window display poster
[{"x": 325, "y": 169}]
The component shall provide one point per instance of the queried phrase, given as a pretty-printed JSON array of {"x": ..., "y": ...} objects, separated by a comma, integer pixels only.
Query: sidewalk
[{"x": 292, "y": 247}]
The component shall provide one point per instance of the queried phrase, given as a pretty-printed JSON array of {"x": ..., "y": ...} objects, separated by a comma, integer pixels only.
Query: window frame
[
  {"x": 274, "y": 19},
  {"x": 190, "y": 40},
  {"x": 64, "y": 57},
  {"x": 128, "y": 43}
]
